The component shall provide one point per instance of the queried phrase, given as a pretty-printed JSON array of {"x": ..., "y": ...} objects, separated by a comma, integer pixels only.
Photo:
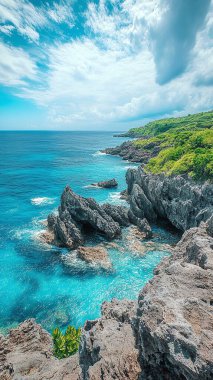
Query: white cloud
[
  {"x": 15, "y": 66},
  {"x": 27, "y": 19},
  {"x": 110, "y": 76}
]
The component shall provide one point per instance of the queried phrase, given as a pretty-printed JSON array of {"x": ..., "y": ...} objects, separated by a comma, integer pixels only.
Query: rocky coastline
[{"x": 168, "y": 333}]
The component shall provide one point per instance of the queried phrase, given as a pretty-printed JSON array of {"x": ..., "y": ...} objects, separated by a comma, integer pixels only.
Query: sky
[{"x": 103, "y": 64}]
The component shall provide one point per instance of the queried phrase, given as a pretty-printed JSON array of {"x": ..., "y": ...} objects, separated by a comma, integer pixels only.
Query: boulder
[{"x": 106, "y": 184}]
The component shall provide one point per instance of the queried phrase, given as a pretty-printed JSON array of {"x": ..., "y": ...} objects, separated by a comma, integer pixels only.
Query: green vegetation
[
  {"x": 66, "y": 344},
  {"x": 154, "y": 128},
  {"x": 179, "y": 145}
]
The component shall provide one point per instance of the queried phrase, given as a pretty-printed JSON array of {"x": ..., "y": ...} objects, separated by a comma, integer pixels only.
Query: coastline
[{"x": 144, "y": 325}]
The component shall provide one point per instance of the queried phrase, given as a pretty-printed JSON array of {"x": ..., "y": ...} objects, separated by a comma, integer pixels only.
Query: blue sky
[{"x": 103, "y": 64}]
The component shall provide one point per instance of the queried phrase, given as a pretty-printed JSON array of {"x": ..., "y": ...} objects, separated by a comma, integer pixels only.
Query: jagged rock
[
  {"x": 107, "y": 348},
  {"x": 174, "y": 324},
  {"x": 97, "y": 256},
  {"x": 26, "y": 354},
  {"x": 178, "y": 199},
  {"x": 77, "y": 214},
  {"x": 210, "y": 225},
  {"x": 118, "y": 213},
  {"x": 140, "y": 204},
  {"x": 106, "y": 184},
  {"x": 131, "y": 152},
  {"x": 122, "y": 311},
  {"x": 124, "y": 195},
  {"x": 144, "y": 226}
]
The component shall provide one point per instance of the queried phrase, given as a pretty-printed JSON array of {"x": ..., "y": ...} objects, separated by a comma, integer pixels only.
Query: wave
[
  {"x": 115, "y": 198},
  {"x": 98, "y": 153},
  {"x": 130, "y": 167},
  {"x": 40, "y": 201}
]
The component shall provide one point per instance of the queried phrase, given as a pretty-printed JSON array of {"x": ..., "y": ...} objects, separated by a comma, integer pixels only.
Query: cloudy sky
[{"x": 103, "y": 64}]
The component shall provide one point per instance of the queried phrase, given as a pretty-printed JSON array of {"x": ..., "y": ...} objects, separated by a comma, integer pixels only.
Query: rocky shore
[{"x": 168, "y": 333}]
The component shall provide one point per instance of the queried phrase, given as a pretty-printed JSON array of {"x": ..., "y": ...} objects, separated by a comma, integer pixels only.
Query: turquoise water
[{"x": 34, "y": 280}]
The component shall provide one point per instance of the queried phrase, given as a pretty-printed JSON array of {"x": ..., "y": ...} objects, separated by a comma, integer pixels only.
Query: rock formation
[
  {"x": 174, "y": 324},
  {"x": 26, "y": 354},
  {"x": 129, "y": 151},
  {"x": 106, "y": 184},
  {"x": 179, "y": 200},
  {"x": 77, "y": 215},
  {"x": 167, "y": 335},
  {"x": 107, "y": 348}
]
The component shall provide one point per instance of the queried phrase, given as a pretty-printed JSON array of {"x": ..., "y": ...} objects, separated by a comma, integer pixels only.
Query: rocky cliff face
[
  {"x": 174, "y": 324},
  {"x": 177, "y": 199}
]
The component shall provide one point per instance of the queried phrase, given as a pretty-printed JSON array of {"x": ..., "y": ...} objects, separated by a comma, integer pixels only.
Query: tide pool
[{"x": 34, "y": 282}]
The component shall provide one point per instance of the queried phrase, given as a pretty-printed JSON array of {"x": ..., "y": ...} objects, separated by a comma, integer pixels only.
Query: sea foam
[
  {"x": 98, "y": 153},
  {"x": 40, "y": 201}
]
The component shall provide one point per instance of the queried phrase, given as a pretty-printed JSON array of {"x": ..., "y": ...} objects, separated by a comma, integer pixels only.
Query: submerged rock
[
  {"x": 97, "y": 256},
  {"x": 106, "y": 184}
]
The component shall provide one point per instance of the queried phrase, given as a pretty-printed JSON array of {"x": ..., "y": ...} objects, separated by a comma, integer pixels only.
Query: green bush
[{"x": 66, "y": 344}]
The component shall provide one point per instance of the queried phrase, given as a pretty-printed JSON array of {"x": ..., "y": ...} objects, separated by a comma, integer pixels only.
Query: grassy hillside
[{"x": 183, "y": 145}]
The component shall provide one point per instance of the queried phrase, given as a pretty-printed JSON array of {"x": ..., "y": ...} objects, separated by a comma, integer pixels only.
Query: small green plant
[{"x": 66, "y": 344}]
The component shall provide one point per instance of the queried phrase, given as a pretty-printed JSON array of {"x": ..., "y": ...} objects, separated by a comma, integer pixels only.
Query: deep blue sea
[{"x": 34, "y": 281}]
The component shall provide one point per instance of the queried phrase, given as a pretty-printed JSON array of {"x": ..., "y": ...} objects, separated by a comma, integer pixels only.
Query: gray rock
[
  {"x": 174, "y": 317},
  {"x": 178, "y": 199},
  {"x": 210, "y": 225},
  {"x": 144, "y": 226},
  {"x": 26, "y": 354},
  {"x": 107, "y": 348},
  {"x": 118, "y": 213},
  {"x": 76, "y": 214},
  {"x": 106, "y": 184}
]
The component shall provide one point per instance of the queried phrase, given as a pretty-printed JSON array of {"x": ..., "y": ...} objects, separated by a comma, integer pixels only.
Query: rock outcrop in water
[
  {"x": 167, "y": 335},
  {"x": 96, "y": 256},
  {"x": 106, "y": 184},
  {"x": 129, "y": 151},
  {"x": 77, "y": 215},
  {"x": 179, "y": 200}
]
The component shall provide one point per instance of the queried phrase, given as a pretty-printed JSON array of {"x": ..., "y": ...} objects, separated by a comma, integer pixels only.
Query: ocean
[{"x": 35, "y": 282}]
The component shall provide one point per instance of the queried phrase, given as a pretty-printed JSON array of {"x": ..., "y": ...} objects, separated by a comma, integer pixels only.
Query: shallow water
[{"x": 34, "y": 281}]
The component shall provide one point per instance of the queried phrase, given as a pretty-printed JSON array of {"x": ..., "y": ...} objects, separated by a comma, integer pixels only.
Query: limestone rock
[
  {"x": 181, "y": 201},
  {"x": 26, "y": 354},
  {"x": 174, "y": 324},
  {"x": 96, "y": 256},
  {"x": 144, "y": 226},
  {"x": 77, "y": 214},
  {"x": 107, "y": 348}
]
